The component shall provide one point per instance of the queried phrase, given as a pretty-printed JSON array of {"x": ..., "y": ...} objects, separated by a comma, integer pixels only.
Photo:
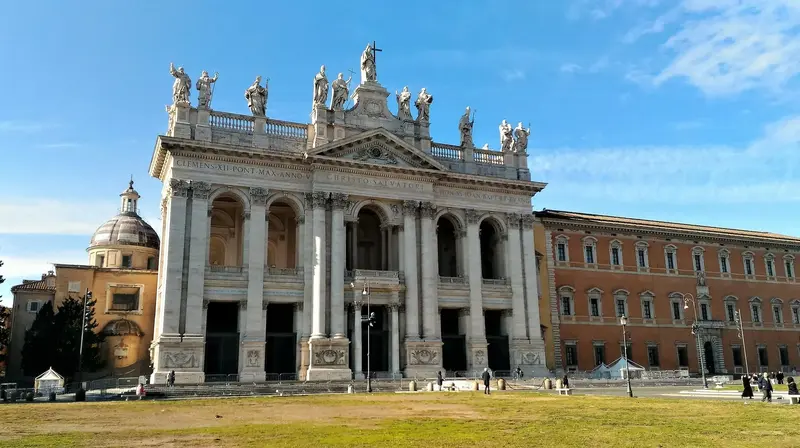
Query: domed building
[{"x": 121, "y": 273}]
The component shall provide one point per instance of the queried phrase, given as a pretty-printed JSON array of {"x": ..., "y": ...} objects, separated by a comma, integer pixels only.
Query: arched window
[
  {"x": 590, "y": 252},
  {"x": 671, "y": 258},
  {"x": 562, "y": 249},
  {"x": 615, "y": 254}
]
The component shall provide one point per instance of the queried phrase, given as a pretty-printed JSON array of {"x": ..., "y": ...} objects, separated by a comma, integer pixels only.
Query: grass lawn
[{"x": 516, "y": 419}]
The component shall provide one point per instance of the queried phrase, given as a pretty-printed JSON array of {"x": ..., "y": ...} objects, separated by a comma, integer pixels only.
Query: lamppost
[
  {"x": 370, "y": 319},
  {"x": 624, "y": 321},
  {"x": 737, "y": 316},
  {"x": 696, "y": 331},
  {"x": 86, "y": 298}
]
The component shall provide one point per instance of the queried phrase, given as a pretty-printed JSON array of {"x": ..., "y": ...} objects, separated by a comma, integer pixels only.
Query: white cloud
[
  {"x": 33, "y": 266},
  {"x": 603, "y": 9},
  {"x": 47, "y": 216},
  {"x": 23, "y": 126},
  {"x": 761, "y": 172},
  {"x": 513, "y": 75},
  {"x": 63, "y": 145},
  {"x": 570, "y": 68},
  {"x": 687, "y": 125}
]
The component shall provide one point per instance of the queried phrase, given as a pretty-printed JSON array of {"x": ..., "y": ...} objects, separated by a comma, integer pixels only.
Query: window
[
  {"x": 641, "y": 255},
  {"x": 749, "y": 269},
  {"x": 615, "y": 256},
  {"x": 152, "y": 264},
  {"x": 704, "y": 311},
  {"x": 676, "y": 310},
  {"x": 683, "y": 356},
  {"x": 599, "y": 354},
  {"x": 783, "y": 352},
  {"x": 770, "y": 265},
  {"x": 34, "y": 306},
  {"x": 670, "y": 260},
  {"x": 126, "y": 261},
  {"x": 763, "y": 360},
  {"x": 795, "y": 315},
  {"x": 723, "y": 264},
  {"x": 595, "y": 307},
  {"x": 737, "y": 355},
  {"x": 589, "y": 254},
  {"x": 788, "y": 266},
  {"x": 652, "y": 355},
  {"x": 566, "y": 308},
  {"x": 648, "y": 305},
  {"x": 567, "y": 294},
  {"x": 698, "y": 257},
  {"x": 621, "y": 302},
  {"x": 622, "y": 348},
  {"x": 571, "y": 354},
  {"x": 620, "y": 307},
  {"x": 647, "y": 314},
  {"x": 562, "y": 252},
  {"x": 100, "y": 261},
  {"x": 74, "y": 286},
  {"x": 731, "y": 312},
  {"x": 777, "y": 311},
  {"x": 562, "y": 249},
  {"x": 756, "y": 313},
  {"x": 615, "y": 249},
  {"x": 124, "y": 298},
  {"x": 590, "y": 250}
]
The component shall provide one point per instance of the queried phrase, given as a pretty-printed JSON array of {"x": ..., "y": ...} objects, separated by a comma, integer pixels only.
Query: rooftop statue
[
  {"x": 506, "y": 137},
  {"x": 205, "y": 89},
  {"x": 256, "y": 96},
  {"x": 340, "y": 92},
  {"x": 423, "y": 103},
  {"x": 182, "y": 85},
  {"x": 404, "y": 104},
  {"x": 465, "y": 129},
  {"x": 368, "y": 69},
  {"x": 321, "y": 87},
  {"x": 521, "y": 145}
]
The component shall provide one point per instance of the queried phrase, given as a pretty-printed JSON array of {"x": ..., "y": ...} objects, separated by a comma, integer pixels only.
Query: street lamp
[
  {"x": 737, "y": 316},
  {"x": 624, "y": 321},
  {"x": 86, "y": 298},
  {"x": 696, "y": 331},
  {"x": 370, "y": 319}
]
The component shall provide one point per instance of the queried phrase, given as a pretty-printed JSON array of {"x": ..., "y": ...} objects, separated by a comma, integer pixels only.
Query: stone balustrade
[
  {"x": 454, "y": 280},
  {"x": 495, "y": 281},
  {"x": 484, "y": 162},
  {"x": 289, "y": 272}
]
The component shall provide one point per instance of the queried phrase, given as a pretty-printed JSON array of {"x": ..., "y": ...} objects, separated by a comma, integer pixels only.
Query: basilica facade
[{"x": 278, "y": 237}]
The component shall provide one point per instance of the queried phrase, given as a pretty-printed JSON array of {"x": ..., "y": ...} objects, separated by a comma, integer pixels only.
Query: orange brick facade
[{"x": 605, "y": 266}]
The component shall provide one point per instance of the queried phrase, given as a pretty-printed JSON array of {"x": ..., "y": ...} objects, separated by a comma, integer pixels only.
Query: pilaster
[
  {"x": 357, "y": 339},
  {"x": 394, "y": 307},
  {"x": 515, "y": 275},
  {"x": 532, "y": 356},
  {"x": 338, "y": 202},
  {"x": 198, "y": 258},
  {"x": 410, "y": 269},
  {"x": 254, "y": 332},
  {"x": 319, "y": 200},
  {"x": 430, "y": 286}
]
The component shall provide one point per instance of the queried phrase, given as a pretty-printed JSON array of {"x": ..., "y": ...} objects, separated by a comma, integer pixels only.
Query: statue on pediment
[
  {"x": 321, "y": 87},
  {"x": 522, "y": 134},
  {"x": 181, "y": 88},
  {"x": 423, "y": 103},
  {"x": 465, "y": 129},
  {"x": 205, "y": 89},
  {"x": 368, "y": 69},
  {"x": 340, "y": 92},
  {"x": 506, "y": 136},
  {"x": 404, "y": 104},
  {"x": 256, "y": 96}
]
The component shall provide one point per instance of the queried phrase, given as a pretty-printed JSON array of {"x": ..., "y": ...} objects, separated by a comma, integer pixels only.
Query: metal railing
[
  {"x": 228, "y": 269},
  {"x": 292, "y": 272},
  {"x": 454, "y": 280},
  {"x": 495, "y": 281},
  {"x": 367, "y": 273}
]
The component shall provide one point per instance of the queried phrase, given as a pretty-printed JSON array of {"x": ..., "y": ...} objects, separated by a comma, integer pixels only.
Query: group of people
[{"x": 765, "y": 382}]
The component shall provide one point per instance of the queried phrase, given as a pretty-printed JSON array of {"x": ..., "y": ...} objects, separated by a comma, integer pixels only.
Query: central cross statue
[{"x": 368, "y": 66}]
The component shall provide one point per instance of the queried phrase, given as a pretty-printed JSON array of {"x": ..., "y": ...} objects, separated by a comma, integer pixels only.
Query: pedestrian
[
  {"x": 171, "y": 378},
  {"x": 565, "y": 382},
  {"x": 766, "y": 388},
  {"x": 519, "y": 373},
  {"x": 779, "y": 377},
  {"x": 439, "y": 379},
  {"x": 3, "y": 394},
  {"x": 792, "y": 386},
  {"x": 487, "y": 377},
  {"x": 748, "y": 390}
]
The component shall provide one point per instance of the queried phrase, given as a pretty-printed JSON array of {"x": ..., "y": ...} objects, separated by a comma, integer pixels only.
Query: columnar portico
[{"x": 279, "y": 227}]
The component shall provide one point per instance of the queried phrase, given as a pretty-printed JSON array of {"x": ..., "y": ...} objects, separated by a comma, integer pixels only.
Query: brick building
[{"x": 604, "y": 267}]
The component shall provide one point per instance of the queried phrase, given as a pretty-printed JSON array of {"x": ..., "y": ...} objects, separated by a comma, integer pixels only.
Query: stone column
[
  {"x": 533, "y": 357},
  {"x": 171, "y": 350},
  {"x": 198, "y": 259},
  {"x": 401, "y": 238},
  {"x": 515, "y": 275},
  {"x": 430, "y": 283},
  {"x": 254, "y": 331},
  {"x": 394, "y": 306},
  {"x": 354, "y": 244},
  {"x": 318, "y": 265},
  {"x": 307, "y": 256},
  {"x": 357, "y": 339},
  {"x": 390, "y": 256},
  {"x": 410, "y": 269},
  {"x": 338, "y": 202},
  {"x": 478, "y": 346}
]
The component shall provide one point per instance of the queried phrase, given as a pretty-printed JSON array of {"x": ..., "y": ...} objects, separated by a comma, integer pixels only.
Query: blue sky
[{"x": 682, "y": 110}]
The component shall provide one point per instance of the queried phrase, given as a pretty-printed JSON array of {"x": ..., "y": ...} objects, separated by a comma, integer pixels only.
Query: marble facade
[{"x": 355, "y": 197}]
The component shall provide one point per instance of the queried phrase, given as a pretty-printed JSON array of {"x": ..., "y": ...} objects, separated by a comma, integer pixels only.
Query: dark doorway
[
  {"x": 222, "y": 340},
  {"x": 446, "y": 240},
  {"x": 378, "y": 345},
  {"x": 490, "y": 251},
  {"x": 498, "y": 342},
  {"x": 370, "y": 250},
  {"x": 281, "y": 339},
  {"x": 454, "y": 346},
  {"x": 708, "y": 350}
]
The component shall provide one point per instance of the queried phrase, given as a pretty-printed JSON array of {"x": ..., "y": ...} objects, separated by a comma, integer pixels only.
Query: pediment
[{"x": 379, "y": 147}]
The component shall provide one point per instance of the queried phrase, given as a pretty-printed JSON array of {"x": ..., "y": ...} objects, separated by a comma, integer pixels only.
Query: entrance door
[
  {"x": 708, "y": 350},
  {"x": 498, "y": 356},
  {"x": 281, "y": 352},
  {"x": 454, "y": 344},
  {"x": 222, "y": 340},
  {"x": 378, "y": 345}
]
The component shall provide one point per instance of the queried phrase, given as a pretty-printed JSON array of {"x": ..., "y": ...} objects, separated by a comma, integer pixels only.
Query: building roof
[
  {"x": 122, "y": 327},
  {"x": 652, "y": 226},
  {"x": 125, "y": 229},
  {"x": 33, "y": 285}
]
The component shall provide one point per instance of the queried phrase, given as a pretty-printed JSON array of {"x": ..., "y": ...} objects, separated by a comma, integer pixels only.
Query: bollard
[
  {"x": 29, "y": 397},
  {"x": 51, "y": 396},
  {"x": 501, "y": 384},
  {"x": 430, "y": 387},
  {"x": 559, "y": 384},
  {"x": 548, "y": 383},
  {"x": 412, "y": 386},
  {"x": 350, "y": 389},
  {"x": 476, "y": 386},
  {"x": 80, "y": 395}
]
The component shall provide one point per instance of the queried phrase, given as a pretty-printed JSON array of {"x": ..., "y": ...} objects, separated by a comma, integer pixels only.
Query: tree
[
  {"x": 5, "y": 328},
  {"x": 37, "y": 353}
]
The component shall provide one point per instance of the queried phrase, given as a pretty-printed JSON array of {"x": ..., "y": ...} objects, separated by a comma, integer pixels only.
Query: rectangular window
[
  {"x": 152, "y": 265},
  {"x": 595, "y": 306},
  {"x": 756, "y": 314},
  {"x": 652, "y": 356},
  {"x": 748, "y": 267},
  {"x": 566, "y": 309},
  {"x": 74, "y": 286},
  {"x": 562, "y": 252},
  {"x": 615, "y": 256},
  {"x": 599, "y": 354},
  {"x": 126, "y": 261},
  {"x": 642, "y": 260},
  {"x": 770, "y": 269},
  {"x": 723, "y": 264},
  {"x": 731, "y": 313},
  {"x": 101, "y": 261},
  {"x": 571, "y": 353},
  {"x": 622, "y": 349},
  {"x": 703, "y": 311},
  {"x": 683, "y": 356},
  {"x": 789, "y": 273},
  {"x": 670, "y": 260},
  {"x": 676, "y": 310},
  {"x": 124, "y": 298},
  {"x": 34, "y": 306},
  {"x": 698, "y": 263},
  {"x": 796, "y": 316},
  {"x": 776, "y": 311},
  {"x": 590, "y": 254},
  {"x": 763, "y": 360},
  {"x": 783, "y": 351},
  {"x": 737, "y": 356},
  {"x": 648, "y": 314},
  {"x": 620, "y": 307}
]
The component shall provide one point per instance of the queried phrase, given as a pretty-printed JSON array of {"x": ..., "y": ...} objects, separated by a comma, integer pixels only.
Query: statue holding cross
[{"x": 368, "y": 69}]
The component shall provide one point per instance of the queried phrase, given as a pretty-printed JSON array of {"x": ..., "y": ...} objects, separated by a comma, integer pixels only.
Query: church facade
[{"x": 278, "y": 237}]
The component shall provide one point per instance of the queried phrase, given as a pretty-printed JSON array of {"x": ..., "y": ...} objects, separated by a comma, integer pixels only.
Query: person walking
[
  {"x": 792, "y": 386},
  {"x": 779, "y": 377},
  {"x": 487, "y": 378},
  {"x": 766, "y": 388},
  {"x": 748, "y": 390},
  {"x": 171, "y": 378},
  {"x": 439, "y": 379}
]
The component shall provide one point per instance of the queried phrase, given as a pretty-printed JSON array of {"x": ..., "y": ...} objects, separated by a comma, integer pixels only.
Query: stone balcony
[
  {"x": 218, "y": 272},
  {"x": 374, "y": 278},
  {"x": 711, "y": 324},
  {"x": 284, "y": 275},
  {"x": 483, "y": 162}
]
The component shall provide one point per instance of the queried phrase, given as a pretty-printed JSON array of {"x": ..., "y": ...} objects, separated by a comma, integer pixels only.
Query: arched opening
[
  {"x": 369, "y": 241},
  {"x": 226, "y": 239},
  {"x": 491, "y": 250},
  {"x": 447, "y": 248},
  {"x": 282, "y": 236},
  {"x": 708, "y": 352}
]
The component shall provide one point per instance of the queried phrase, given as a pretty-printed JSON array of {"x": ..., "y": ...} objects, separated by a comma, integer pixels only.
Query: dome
[
  {"x": 125, "y": 229},
  {"x": 122, "y": 327}
]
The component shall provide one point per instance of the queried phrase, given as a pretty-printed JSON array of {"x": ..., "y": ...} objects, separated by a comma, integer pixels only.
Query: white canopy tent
[
  {"x": 49, "y": 381},
  {"x": 617, "y": 369}
]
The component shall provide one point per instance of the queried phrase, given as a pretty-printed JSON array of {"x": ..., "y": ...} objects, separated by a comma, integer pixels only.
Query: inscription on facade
[
  {"x": 373, "y": 182},
  {"x": 242, "y": 169},
  {"x": 473, "y": 195}
]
